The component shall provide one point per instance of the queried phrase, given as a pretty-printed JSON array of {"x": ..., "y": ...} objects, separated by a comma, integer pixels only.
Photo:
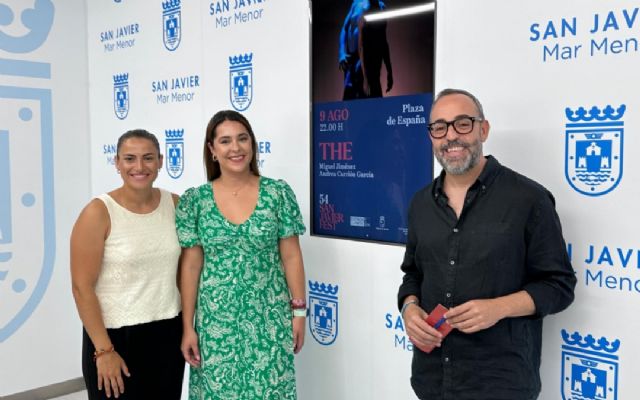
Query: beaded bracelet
[
  {"x": 298, "y": 304},
  {"x": 99, "y": 353}
]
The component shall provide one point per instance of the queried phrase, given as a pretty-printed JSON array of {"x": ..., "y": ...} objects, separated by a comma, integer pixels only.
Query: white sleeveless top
[{"x": 137, "y": 281}]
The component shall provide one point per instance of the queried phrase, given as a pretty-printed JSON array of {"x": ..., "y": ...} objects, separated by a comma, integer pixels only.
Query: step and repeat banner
[
  {"x": 558, "y": 83},
  {"x": 168, "y": 66}
]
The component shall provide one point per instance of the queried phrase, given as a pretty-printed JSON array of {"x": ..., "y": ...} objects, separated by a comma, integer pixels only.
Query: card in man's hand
[{"x": 436, "y": 319}]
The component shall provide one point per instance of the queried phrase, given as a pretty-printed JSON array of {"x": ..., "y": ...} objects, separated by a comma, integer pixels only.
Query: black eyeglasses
[{"x": 461, "y": 125}]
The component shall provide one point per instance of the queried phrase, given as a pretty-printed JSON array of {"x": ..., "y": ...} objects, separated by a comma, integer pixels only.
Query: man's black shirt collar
[{"x": 486, "y": 178}]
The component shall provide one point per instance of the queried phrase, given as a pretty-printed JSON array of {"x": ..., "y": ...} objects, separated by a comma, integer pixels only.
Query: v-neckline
[{"x": 224, "y": 217}]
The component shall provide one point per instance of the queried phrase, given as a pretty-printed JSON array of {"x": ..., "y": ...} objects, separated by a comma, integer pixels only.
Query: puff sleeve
[
  {"x": 288, "y": 213},
  {"x": 187, "y": 219}
]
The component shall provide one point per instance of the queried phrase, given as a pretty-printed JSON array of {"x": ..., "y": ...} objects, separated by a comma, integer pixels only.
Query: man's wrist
[{"x": 406, "y": 305}]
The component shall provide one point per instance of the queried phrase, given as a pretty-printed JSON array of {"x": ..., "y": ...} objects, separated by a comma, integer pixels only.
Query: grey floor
[
  {"x": 74, "y": 384},
  {"x": 73, "y": 396}
]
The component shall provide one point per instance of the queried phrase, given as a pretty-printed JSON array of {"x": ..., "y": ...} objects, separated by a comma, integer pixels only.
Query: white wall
[
  {"x": 492, "y": 55},
  {"x": 48, "y": 156}
]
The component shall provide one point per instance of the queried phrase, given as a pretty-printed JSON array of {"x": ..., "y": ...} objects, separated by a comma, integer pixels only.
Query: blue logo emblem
[
  {"x": 172, "y": 24},
  {"x": 27, "y": 213},
  {"x": 121, "y": 95},
  {"x": 589, "y": 368},
  {"x": 174, "y": 145},
  {"x": 241, "y": 81},
  {"x": 323, "y": 312},
  {"x": 593, "y": 151}
]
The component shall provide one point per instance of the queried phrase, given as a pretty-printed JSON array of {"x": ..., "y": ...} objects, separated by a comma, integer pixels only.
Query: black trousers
[{"x": 152, "y": 354}]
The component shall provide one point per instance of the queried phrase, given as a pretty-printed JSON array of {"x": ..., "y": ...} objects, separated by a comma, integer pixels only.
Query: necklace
[{"x": 235, "y": 192}]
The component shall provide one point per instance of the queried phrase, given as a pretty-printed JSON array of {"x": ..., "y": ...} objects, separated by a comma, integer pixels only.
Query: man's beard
[{"x": 459, "y": 167}]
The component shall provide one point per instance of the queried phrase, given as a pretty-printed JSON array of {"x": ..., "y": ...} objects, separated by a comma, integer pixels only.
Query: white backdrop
[
  {"x": 44, "y": 159},
  {"x": 494, "y": 48}
]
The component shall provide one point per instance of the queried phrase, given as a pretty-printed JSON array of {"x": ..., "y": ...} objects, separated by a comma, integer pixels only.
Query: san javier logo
[
  {"x": 607, "y": 267},
  {"x": 121, "y": 95},
  {"x": 109, "y": 150},
  {"x": 174, "y": 146},
  {"x": 264, "y": 151},
  {"x": 171, "y": 24},
  {"x": 569, "y": 38},
  {"x": 121, "y": 37},
  {"x": 594, "y": 149},
  {"x": 234, "y": 12},
  {"x": 323, "y": 312},
  {"x": 27, "y": 212},
  {"x": 241, "y": 81},
  {"x": 589, "y": 367},
  {"x": 179, "y": 89}
]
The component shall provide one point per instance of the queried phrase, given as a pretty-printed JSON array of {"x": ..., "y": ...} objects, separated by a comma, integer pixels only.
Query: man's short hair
[{"x": 450, "y": 91}]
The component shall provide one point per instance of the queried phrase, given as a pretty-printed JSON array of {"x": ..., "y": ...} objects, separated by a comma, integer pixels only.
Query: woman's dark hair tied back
[{"x": 140, "y": 134}]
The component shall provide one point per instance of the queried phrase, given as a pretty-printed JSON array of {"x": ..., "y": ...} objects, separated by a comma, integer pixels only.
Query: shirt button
[
  {"x": 452, "y": 262},
  {"x": 455, "y": 230},
  {"x": 448, "y": 295},
  {"x": 446, "y": 359}
]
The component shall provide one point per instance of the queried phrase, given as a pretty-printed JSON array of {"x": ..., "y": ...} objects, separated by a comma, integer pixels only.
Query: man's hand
[
  {"x": 420, "y": 333},
  {"x": 475, "y": 315}
]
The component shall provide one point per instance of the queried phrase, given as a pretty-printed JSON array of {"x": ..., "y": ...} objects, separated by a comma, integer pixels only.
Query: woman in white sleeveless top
[{"x": 124, "y": 260}]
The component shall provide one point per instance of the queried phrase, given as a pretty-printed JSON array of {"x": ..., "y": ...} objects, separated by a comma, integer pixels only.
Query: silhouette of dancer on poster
[{"x": 363, "y": 48}]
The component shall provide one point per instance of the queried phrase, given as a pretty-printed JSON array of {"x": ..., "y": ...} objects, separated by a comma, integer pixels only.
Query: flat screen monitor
[{"x": 372, "y": 89}]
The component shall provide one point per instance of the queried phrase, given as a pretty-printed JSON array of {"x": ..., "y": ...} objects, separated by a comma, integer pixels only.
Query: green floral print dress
[{"x": 242, "y": 318}]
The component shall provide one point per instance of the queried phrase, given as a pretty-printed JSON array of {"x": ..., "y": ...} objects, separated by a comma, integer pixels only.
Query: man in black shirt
[{"x": 485, "y": 242}]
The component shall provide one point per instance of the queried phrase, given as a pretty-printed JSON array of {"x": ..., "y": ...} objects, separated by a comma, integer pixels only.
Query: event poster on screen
[{"x": 372, "y": 94}]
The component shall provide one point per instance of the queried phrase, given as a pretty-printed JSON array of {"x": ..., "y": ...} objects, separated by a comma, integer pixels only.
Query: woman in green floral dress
[{"x": 241, "y": 272}]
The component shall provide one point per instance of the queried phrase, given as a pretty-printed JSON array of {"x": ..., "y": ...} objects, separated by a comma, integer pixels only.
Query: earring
[
  {"x": 214, "y": 158},
  {"x": 118, "y": 171}
]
